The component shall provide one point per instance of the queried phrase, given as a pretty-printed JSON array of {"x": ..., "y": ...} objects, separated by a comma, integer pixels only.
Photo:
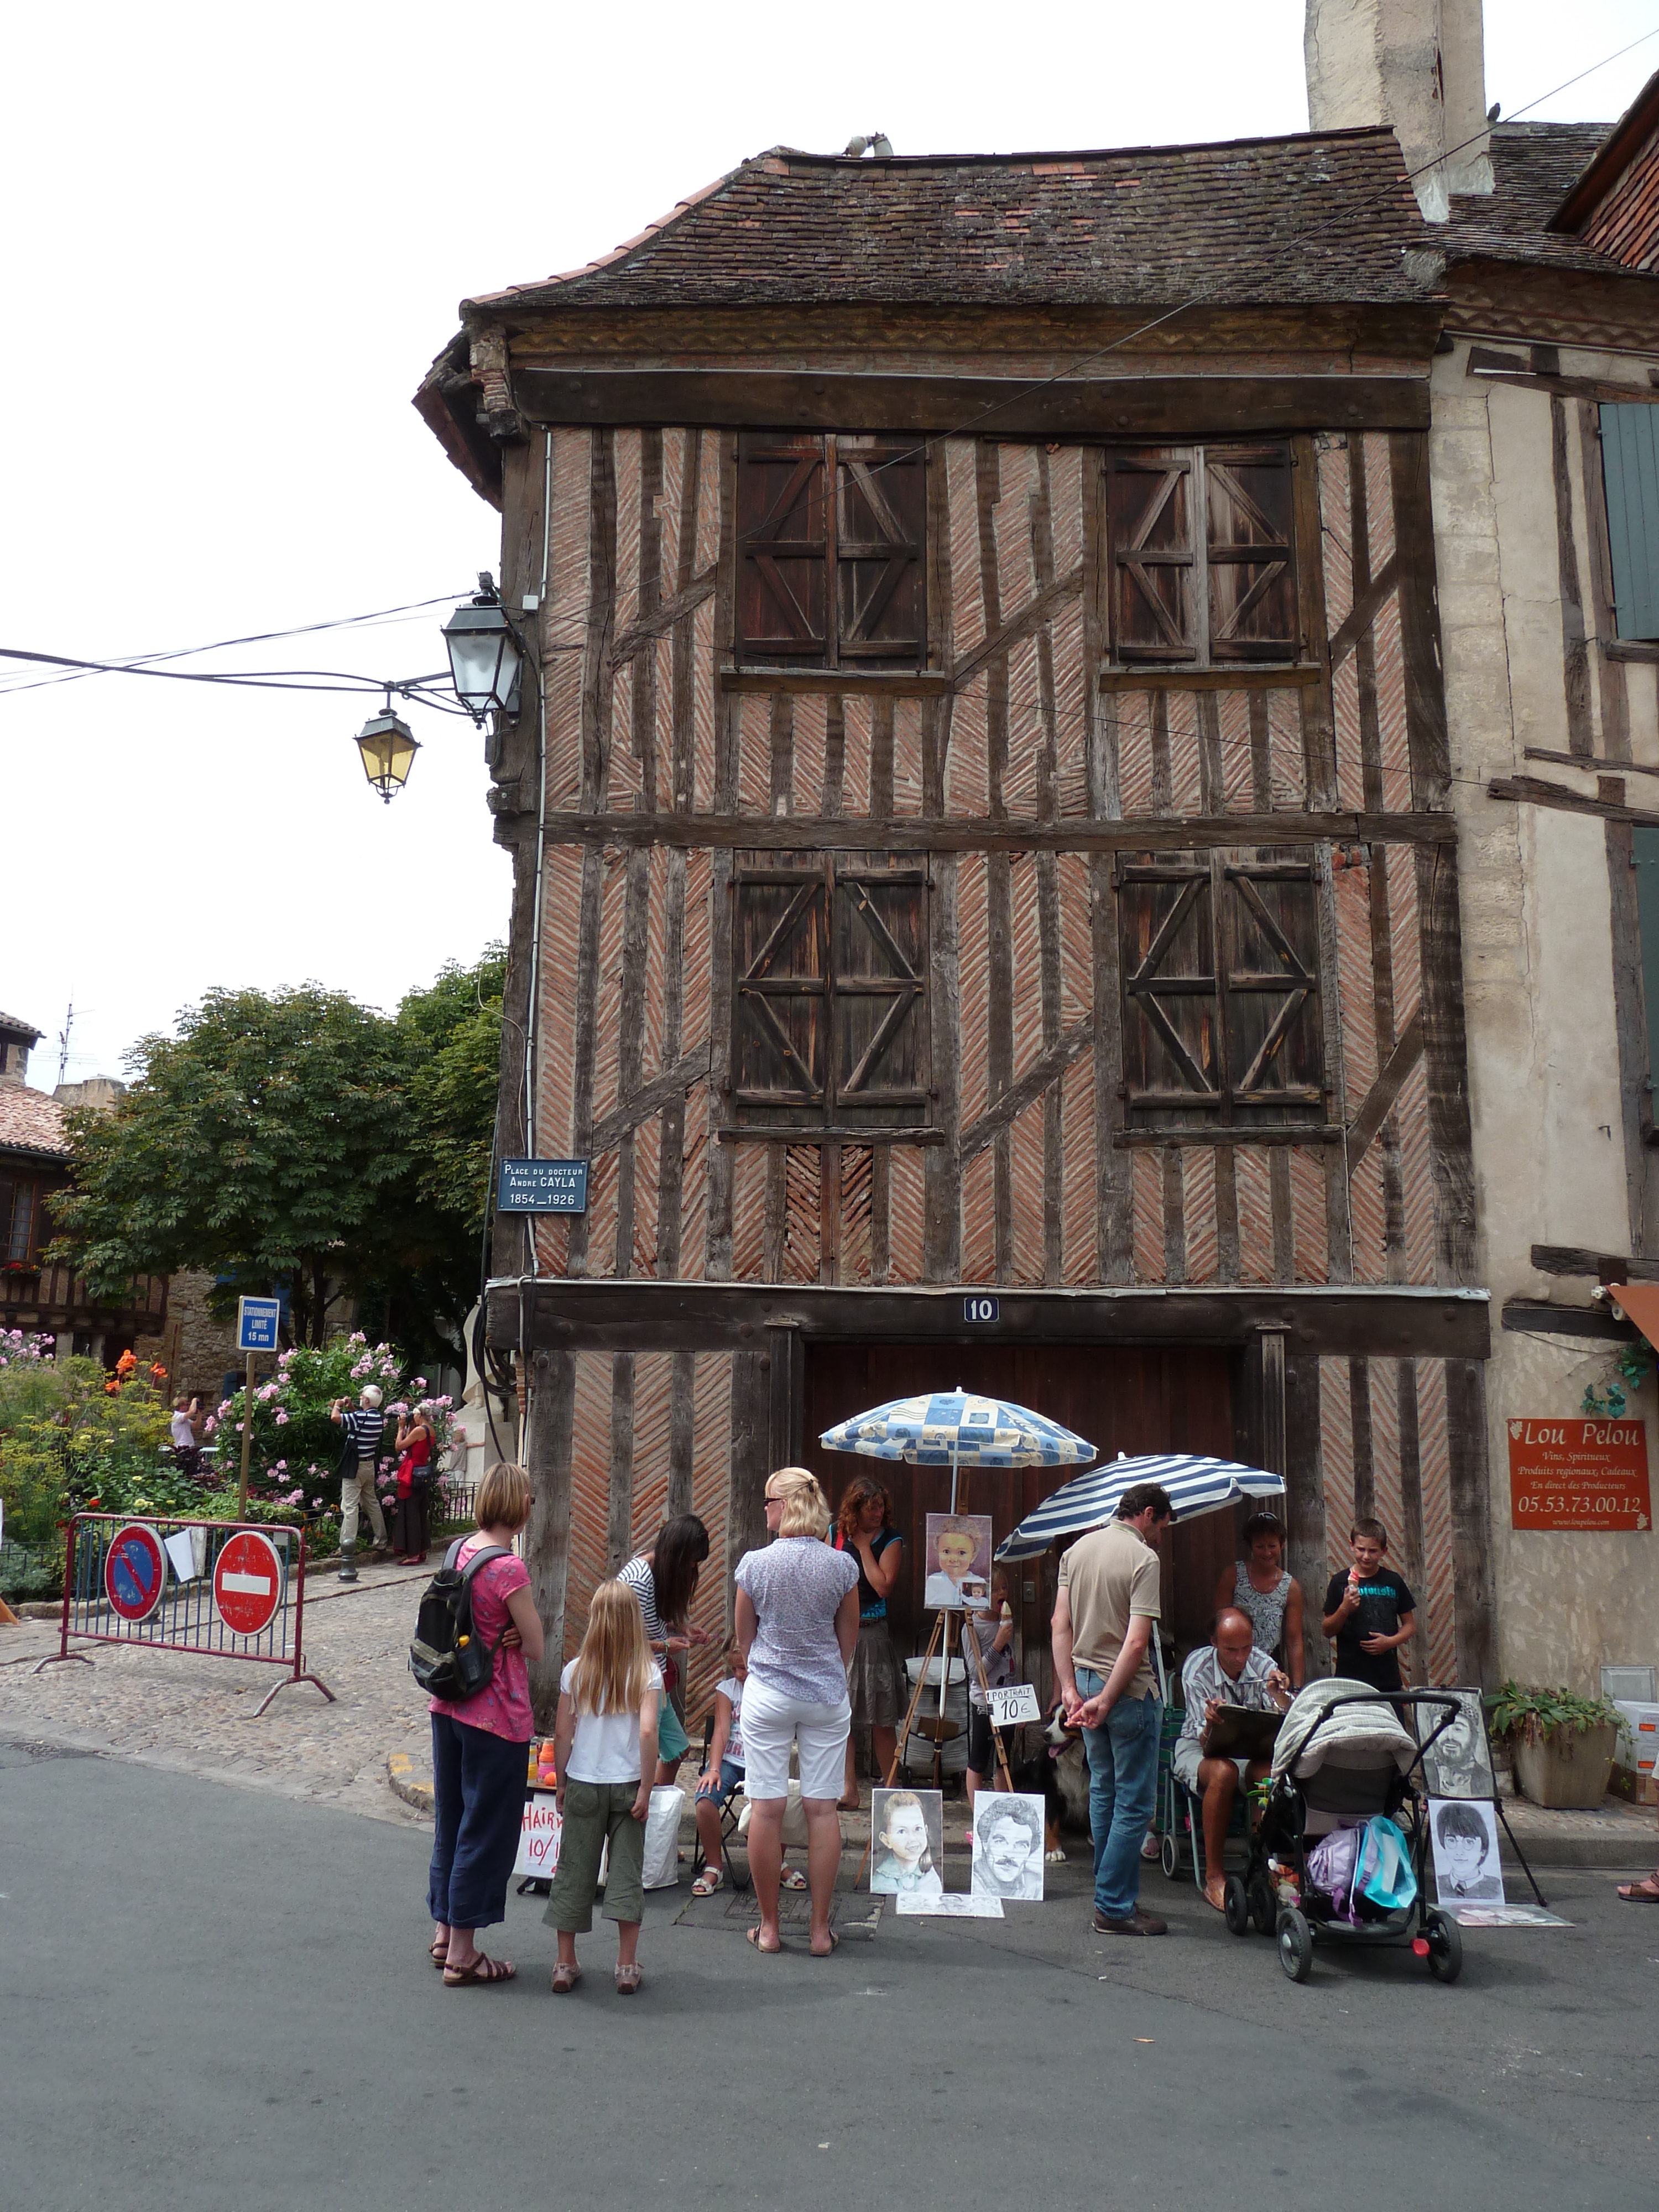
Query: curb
[{"x": 405, "y": 1782}]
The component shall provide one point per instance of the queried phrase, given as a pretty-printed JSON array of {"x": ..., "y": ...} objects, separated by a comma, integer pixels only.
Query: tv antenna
[{"x": 64, "y": 1042}]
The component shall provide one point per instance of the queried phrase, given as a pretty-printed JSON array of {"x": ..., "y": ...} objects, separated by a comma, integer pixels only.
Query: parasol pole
[{"x": 944, "y": 1672}]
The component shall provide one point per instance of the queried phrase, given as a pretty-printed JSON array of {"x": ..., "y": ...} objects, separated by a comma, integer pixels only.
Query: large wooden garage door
[{"x": 1124, "y": 1400}]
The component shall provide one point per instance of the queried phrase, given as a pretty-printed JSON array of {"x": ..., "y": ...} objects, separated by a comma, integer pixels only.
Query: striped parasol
[
  {"x": 957, "y": 1428},
  {"x": 1194, "y": 1485}
]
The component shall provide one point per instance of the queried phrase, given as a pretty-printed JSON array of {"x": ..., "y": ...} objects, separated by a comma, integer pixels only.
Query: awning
[{"x": 1639, "y": 1302}]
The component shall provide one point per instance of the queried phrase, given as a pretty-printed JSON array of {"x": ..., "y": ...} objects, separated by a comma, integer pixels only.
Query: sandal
[
  {"x": 628, "y": 1981},
  {"x": 1645, "y": 1892},
  {"x": 439, "y": 1952},
  {"x": 710, "y": 1880},
  {"x": 765, "y": 1951},
  {"x": 480, "y": 1970},
  {"x": 565, "y": 1978},
  {"x": 834, "y": 1946},
  {"x": 792, "y": 1878}
]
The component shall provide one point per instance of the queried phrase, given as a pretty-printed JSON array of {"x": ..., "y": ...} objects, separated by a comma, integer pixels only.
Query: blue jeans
[{"x": 1123, "y": 1783}]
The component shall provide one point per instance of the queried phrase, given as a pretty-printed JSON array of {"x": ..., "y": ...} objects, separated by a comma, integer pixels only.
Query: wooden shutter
[
  {"x": 783, "y": 548},
  {"x": 1225, "y": 1034},
  {"x": 781, "y": 968},
  {"x": 878, "y": 991},
  {"x": 1149, "y": 522},
  {"x": 1630, "y": 471},
  {"x": 1252, "y": 570},
  {"x": 881, "y": 520},
  {"x": 1645, "y": 853}
]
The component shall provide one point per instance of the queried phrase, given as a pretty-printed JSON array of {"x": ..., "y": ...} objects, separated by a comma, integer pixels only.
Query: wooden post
[{"x": 248, "y": 1439}]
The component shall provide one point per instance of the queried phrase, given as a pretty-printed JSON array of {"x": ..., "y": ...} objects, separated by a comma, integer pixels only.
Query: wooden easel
[{"x": 937, "y": 1638}]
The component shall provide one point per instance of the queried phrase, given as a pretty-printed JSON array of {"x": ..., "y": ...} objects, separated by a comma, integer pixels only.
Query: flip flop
[
  {"x": 1645, "y": 1892},
  {"x": 480, "y": 1970},
  {"x": 753, "y": 1936}
]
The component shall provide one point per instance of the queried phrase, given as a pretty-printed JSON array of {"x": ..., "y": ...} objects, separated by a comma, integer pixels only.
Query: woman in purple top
[{"x": 797, "y": 1620}]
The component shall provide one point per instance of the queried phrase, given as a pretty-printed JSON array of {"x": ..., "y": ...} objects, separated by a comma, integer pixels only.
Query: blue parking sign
[{"x": 256, "y": 1323}]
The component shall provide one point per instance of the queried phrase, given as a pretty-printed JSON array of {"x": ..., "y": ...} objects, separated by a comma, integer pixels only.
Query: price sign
[
  {"x": 1018, "y": 1703},
  {"x": 538, "y": 1836},
  {"x": 1577, "y": 1474}
]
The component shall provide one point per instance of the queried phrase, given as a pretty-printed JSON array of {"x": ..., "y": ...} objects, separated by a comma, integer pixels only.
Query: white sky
[{"x": 236, "y": 239}]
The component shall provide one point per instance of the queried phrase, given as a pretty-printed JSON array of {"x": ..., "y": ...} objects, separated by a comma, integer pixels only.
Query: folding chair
[{"x": 728, "y": 1818}]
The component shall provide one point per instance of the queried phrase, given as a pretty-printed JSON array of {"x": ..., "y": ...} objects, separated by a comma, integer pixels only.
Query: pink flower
[
  {"x": 281, "y": 1417},
  {"x": 212, "y": 1424}
]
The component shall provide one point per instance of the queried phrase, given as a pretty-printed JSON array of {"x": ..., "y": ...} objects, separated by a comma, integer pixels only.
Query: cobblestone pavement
[{"x": 193, "y": 1715}]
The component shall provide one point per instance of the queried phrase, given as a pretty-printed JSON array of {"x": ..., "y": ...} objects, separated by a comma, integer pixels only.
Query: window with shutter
[
  {"x": 831, "y": 581},
  {"x": 829, "y": 1026},
  {"x": 1630, "y": 472},
  {"x": 1221, "y": 993},
  {"x": 1201, "y": 559}
]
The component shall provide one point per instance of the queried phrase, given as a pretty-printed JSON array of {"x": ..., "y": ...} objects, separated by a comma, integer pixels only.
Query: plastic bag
[
  {"x": 662, "y": 1839},
  {"x": 1384, "y": 1876},
  {"x": 1332, "y": 1863},
  {"x": 795, "y": 1818}
]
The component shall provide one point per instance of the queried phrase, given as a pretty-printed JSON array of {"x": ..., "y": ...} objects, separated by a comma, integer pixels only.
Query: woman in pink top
[{"x": 479, "y": 1746}]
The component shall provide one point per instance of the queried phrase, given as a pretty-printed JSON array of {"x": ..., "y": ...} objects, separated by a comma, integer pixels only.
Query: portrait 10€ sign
[{"x": 1579, "y": 1474}]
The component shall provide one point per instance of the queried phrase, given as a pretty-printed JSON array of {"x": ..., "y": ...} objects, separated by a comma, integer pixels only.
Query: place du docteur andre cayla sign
[{"x": 1579, "y": 1474}]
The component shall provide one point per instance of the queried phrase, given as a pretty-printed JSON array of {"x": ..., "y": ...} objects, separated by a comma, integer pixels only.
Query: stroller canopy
[{"x": 1368, "y": 1736}]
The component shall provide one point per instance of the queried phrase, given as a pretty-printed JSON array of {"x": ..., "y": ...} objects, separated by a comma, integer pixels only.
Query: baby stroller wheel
[
  {"x": 1445, "y": 1946},
  {"x": 1168, "y": 1855},
  {"x": 1264, "y": 1905},
  {"x": 1295, "y": 1944},
  {"x": 1236, "y": 1911}
]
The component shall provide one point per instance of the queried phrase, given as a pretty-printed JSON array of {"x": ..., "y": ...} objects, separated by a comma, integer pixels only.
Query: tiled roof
[
  {"x": 31, "y": 1122},
  {"x": 1534, "y": 166},
  {"x": 1302, "y": 220},
  {"x": 16, "y": 1026}
]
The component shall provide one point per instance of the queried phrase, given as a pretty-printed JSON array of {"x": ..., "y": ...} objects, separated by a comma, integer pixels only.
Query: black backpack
[{"x": 446, "y": 1658}]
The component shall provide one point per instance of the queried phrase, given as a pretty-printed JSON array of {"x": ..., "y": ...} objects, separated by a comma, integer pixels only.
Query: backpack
[{"x": 446, "y": 1658}]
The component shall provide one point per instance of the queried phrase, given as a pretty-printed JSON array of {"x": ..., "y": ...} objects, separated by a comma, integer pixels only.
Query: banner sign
[{"x": 1579, "y": 1474}]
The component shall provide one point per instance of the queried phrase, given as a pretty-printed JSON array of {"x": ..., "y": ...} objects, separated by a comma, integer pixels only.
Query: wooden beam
[
  {"x": 1047, "y": 1068},
  {"x": 1588, "y": 761},
  {"x": 850, "y": 682},
  {"x": 1538, "y": 1317},
  {"x": 662, "y": 619},
  {"x": 1475, "y": 1638},
  {"x": 1357, "y": 622},
  {"x": 649, "y": 1100},
  {"x": 1248, "y": 676},
  {"x": 1532, "y": 791},
  {"x": 1379, "y": 1100},
  {"x": 912, "y": 833},
  {"x": 1486, "y": 368},
  {"x": 1204, "y": 406},
  {"x": 1034, "y": 612},
  {"x": 1606, "y": 1266},
  {"x": 592, "y": 1314}
]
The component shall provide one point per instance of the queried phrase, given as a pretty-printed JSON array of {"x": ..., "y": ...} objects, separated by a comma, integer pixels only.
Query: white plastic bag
[
  {"x": 795, "y": 1818},
  {"x": 662, "y": 1839}
]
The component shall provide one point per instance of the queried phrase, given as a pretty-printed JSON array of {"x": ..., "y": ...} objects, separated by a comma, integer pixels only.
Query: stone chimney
[{"x": 1419, "y": 65}]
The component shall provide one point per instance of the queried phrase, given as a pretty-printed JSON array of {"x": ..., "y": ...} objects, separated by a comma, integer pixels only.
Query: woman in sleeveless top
[{"x": 1259, "y": 1585}]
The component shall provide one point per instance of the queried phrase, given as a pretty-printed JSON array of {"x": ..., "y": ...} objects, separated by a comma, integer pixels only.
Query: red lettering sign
[{"x": 1579, "y": 1474}]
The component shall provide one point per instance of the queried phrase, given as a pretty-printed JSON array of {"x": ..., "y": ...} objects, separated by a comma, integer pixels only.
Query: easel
[{"x": 939, "y": 1638}]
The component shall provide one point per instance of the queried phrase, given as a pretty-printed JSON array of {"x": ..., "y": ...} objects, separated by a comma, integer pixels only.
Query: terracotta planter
[{"x": 1569, "y": 1771}]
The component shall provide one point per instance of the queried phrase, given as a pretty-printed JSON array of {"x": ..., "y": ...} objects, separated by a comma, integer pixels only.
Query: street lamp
[
  {"x": 388, "y": 747},
  {"x": 485, "y": 656}
]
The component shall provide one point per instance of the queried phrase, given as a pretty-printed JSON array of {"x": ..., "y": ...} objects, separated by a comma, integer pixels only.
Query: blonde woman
[
  {"x": 606, "y": 1747},
  {"x": 479, "y": 1744},
  {"x": 796, "y": 1615}
]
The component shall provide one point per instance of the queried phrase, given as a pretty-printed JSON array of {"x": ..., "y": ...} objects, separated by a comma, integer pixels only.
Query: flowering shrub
[
  {"x": 67, "y": 1437},
  {"x": 17, "y": 1345},
  {"x": 296, "y": 1446}
]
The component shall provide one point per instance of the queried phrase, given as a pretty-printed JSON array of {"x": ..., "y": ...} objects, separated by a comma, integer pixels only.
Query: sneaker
[{"x": 1138, "y": 1924}]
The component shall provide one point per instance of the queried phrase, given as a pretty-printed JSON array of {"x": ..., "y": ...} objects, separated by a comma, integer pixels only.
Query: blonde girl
[{"x": 606, "y": 1747}]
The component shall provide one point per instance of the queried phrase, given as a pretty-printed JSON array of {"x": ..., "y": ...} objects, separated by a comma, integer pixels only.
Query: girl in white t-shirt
[
  {"x": 723, "y": 1773},
  {"x": 606, "y": 1742}
]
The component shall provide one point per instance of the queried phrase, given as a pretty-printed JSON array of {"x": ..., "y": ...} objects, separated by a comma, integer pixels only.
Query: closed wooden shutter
[
  {"x": 1630, "y": 470},
  {"x": 781, "y": 975},
  {"x": 1645, "y": 844},
  {"x": 1150, "y": 521},
  {"x": 1221, "y": 992},
  {"x": 878, "y": 991},
  {"x": 881, "y": 522},
  {"x": 1252, "y": 573},
  {"x": 783, "y": 548}
]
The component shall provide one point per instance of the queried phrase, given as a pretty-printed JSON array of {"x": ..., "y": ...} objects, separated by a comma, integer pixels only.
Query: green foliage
[
  {"x": 65, "y": 1436},
  {"x": 297, "y": 1139},
  {"x": 1530, "y": 1712}
]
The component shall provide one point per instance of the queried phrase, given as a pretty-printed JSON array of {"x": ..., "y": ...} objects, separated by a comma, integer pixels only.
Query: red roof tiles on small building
[{"x": 32, "y": 1122}]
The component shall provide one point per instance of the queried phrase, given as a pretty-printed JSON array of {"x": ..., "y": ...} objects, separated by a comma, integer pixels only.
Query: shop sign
[{"x": 1579, "y": 1474}]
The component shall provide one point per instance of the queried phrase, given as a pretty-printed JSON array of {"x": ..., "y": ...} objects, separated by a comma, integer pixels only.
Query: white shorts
[{"x": 771, "y": 1722}]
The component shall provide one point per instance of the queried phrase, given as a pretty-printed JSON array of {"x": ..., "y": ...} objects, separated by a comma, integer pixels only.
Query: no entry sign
[
  {"x": 248, "y": 1584},
  {"x": 134, "y": 1571}
]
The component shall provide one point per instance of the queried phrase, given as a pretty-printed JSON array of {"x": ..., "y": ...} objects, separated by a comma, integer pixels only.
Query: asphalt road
[{"x": 211, "y": 1998}]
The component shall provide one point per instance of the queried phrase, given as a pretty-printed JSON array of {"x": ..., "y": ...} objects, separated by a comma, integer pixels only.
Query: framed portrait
[
  {"x": 1008, "y": 1845},
  {"x": 1458, "y": 1763},
  {"x": 1467, "y": 1868},
  {"x": 907, "y": 1843},
  {"x": 958, "y": 1562}
]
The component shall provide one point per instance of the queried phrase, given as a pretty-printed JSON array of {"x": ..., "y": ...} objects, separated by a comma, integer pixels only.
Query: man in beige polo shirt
[{"x": 1102, "y": 1629}]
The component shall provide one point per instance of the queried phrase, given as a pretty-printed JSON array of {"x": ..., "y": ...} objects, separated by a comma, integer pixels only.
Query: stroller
[{"x": 1344, "y": 1755}]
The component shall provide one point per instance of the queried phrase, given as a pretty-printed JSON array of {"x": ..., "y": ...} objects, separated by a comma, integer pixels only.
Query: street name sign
[
  {"x": 542, "y": 1186},
  {"x": 256, "y": 1323}
]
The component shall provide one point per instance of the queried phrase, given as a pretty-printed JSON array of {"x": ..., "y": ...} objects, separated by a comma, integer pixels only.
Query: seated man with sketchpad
[{"x": 1222, "y": 1682}]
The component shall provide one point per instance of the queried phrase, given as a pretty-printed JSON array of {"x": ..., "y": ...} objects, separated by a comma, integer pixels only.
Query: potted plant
[{"x": 1563, "y": 1744}]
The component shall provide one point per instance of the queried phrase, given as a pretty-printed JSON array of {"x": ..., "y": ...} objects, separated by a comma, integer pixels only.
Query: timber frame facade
[{"x": 1054, "y": 895}]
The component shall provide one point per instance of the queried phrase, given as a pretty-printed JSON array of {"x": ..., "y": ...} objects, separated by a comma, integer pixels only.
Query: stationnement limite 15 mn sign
[{"x": 1578, "y": 1474}]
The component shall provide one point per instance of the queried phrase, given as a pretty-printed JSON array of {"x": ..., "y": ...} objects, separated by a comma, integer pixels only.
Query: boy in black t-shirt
[{"x": 1368, "y": 1612}]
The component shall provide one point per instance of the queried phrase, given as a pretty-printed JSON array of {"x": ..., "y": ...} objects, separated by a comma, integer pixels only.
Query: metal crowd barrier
[{"x": 234, "y": 1590}]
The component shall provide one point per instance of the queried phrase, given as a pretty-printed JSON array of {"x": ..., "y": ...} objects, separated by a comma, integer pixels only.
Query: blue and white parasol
[
  {"x": 956, "y": 1428},
  {"x": 1194, "y": 1485}
]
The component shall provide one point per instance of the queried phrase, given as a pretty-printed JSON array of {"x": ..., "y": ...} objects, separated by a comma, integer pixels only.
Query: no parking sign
[{"x": 134, "y": 1571}]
